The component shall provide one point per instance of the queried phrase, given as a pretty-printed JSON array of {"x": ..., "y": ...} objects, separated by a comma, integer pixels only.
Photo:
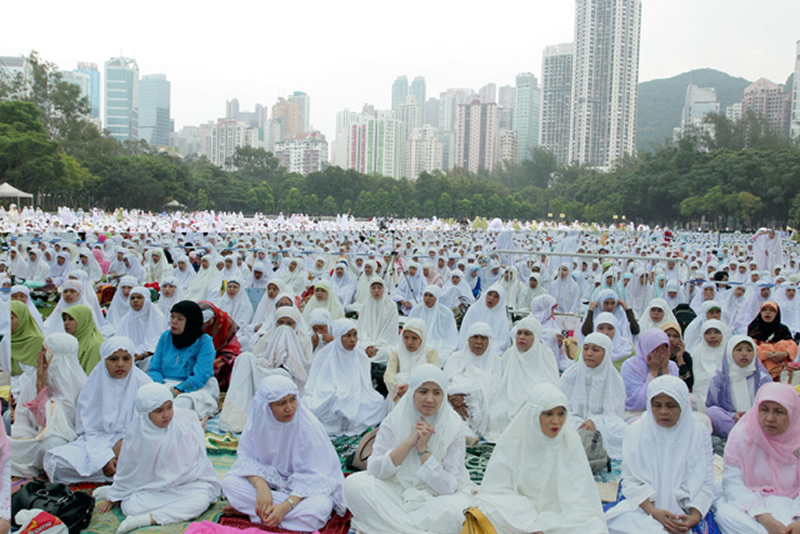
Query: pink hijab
[
  {"x": 104, "y": 263},
  {"x": 770, "y": 464}
]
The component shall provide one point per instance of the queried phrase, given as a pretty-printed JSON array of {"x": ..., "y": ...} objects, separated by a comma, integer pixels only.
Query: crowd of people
[{"x": 126, "y": 332}]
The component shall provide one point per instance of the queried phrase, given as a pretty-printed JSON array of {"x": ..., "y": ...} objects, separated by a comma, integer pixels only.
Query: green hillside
[{"x": 661, "y": 101}]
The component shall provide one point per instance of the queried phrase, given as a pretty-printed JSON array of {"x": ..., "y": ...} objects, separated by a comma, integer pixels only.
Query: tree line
[{"x": 741, "y": 176}]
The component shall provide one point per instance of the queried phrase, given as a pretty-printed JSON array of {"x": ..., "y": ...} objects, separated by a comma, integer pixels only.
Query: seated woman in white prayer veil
[
  {"x": 415, "y": 481},
  {"x": 287, "y": 473},
  {"x": 281, "y": 351},
  {"x": 440, "y": 324},
  {"x": 410, "y": 353},
  {"x": 490, "y": 309},
  {"x": 526, "y": 363},
  {"x": 456, "y": 290},
  {"x": 104, "y": 413},
  {"x": 163, "y": 475},
  {"x": 321, "y": 326},
  {"x": 378, "y": 323},
  {"x": 473, "y": 374},
  {"x": 339, "y": 389},
  {"x": 550, "y": 491},
  {"x": 596, "y": 393},
  {"x": 45, "y": 414},
  {"x": 324, "y": 298},
  {"x": 143, "y": 325},
  {"x": 667, "y": 465}
]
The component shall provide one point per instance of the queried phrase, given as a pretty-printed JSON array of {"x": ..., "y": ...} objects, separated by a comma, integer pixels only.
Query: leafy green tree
[{"x": 329, "y": 206}]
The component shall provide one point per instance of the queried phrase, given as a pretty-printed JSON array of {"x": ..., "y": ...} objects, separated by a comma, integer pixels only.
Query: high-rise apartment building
[
  {"x": 431, "y": 114},
  {"x": 418, "y": 90},
  {"x": 795, "y": 126},
  {"x": 344, "y": 120},
  {"x": 556, "y": 100},
  {"x": 224, "y": 137},
  {"x": 77, "y": 78},
  {"x": 505, "y": 96},
  {"x": 768, "y": 100},
  {"x": 605, "y": 81},
  {"x": 17, "y": 69},
  {"x": 304, "y": 153},
  {"x": 121, "y": 107},
  {"x": 90, "y": 70},
  {"x": 508, "y": 145},
  {"x": 155, "y": 123},
  {"x": 303, "y": 102},
  {"x": 488, "y": 93},
  {"x": 287, "y": 115},
  {"x": 375, "y": 145},
  {"x": 527, "y": 107},
  {"x": 699, "y": 102},
  {"x": 476, "y": 136},
  {"x": 399, "y": 92},
  {"x": 423, "y": 152},
  {"x": 448, "y": 106}
]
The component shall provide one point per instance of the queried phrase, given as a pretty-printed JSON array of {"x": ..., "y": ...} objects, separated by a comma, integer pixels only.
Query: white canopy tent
[{"x": 9, "y": 191}]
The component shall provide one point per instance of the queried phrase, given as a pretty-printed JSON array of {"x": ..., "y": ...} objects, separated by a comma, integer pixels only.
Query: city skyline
[{"x": 676, "y": 37}]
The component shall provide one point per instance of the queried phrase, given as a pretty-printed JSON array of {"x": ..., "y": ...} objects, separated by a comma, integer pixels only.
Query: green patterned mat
[{"x": 108, "y": 523}]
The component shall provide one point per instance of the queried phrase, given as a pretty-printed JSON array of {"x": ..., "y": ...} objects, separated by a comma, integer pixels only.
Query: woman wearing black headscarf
[
  {"x": 184, "y": 360},
  {"x": 774, "y": 342}
]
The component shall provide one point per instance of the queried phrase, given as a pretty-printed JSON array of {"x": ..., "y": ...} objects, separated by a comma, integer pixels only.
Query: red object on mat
[{"x": 336, "y": 525}]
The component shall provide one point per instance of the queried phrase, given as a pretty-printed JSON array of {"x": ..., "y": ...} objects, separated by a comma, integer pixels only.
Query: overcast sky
[{"x": 348, "y": 52}]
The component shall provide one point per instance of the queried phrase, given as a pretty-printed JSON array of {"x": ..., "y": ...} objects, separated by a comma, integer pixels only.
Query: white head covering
[
  {"x": 521, "y": 371},
  {"x": 105, "y": 405},
  {"x": 93, "y": 270},
  {"x": 622, "y": 346},
  {"x": 332, "y": 303},
  {"x": 452, "y": 294},
  {"x": 37, "y": 316},
  {"x": 557, "y": 477},
  {"x": 666, "y": 461},
  {"x": 447, "y": 424},
  {"x": 707, "y": 359},
  {"x": 645, "y": 322},
  {"x": 440, "y": 325},
  {"x": 262, "y": 282},
  {"x": 207, "y": 283},
  {"x": 165, "y": 303},
  {"x": 284, "y": 349},
  {"x": 266, "y": 306},
  {"x": 594, "y": 391},
  {"x": 408, "y": 361},
  {"x": 294, "y": 457},
  {"x": 740, "y": 390},
  {"x": 145, "y": 326},
  {"x": 65, "y": 379},
  {"x": 119, "y": 304},
  {"x": 340, "y": 383},
  {"x": 154, "y": 458},
  {"x": 186, "y": 276},
  {"x": 378, "y": 321},
  {"x": 239, "y": 307},
  {"x": 496, "y": 317}
]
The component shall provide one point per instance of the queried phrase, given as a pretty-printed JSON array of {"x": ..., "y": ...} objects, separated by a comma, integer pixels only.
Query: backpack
[
  {"x": 74, "y": 509},
  {"x": 595, "y": 452}
]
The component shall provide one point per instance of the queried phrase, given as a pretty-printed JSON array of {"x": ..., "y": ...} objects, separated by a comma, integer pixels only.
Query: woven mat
[{"x": 337, "y": 525}]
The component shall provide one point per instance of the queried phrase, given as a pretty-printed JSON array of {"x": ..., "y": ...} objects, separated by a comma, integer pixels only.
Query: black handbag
[{"x": 74, "y": 509}]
